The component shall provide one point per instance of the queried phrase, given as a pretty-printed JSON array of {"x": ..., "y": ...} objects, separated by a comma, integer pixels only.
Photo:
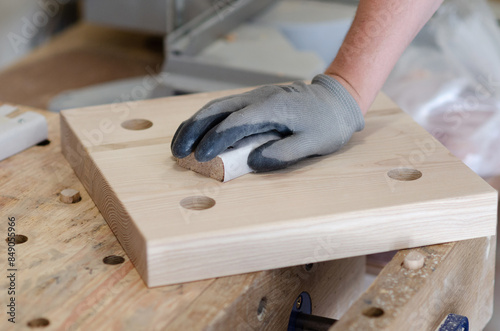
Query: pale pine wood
[
  {"x": 457, "y": 278},
  {"x": 62, "y": 278},
  {"x": 322, "y": 209},
  {"x": 414, "y": 260},
  {"x": 70, "y": 195}
]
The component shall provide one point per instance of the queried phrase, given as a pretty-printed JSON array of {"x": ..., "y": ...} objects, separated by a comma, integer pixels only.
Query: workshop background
[{"x": 442, "y": 80}]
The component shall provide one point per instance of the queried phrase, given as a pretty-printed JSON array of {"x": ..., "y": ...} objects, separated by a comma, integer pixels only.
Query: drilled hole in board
[
  {"x": 38, "y": 323},
  {"x": 197, "y": 203},
  {"x": 18, "y": 239},
  {"x": 137, "y": 124},
  {"x": 261, "y": 309},
  {"x": 373, "y": 312},
  {"x": 113, "y": 259},
  {"x": 404, "y": 174}
]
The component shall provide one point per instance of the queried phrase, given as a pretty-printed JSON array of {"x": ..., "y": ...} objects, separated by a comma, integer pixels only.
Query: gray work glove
[{"x": 315, "y": 119}]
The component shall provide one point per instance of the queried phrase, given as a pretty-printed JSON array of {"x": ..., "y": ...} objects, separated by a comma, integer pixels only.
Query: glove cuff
[{"x": 350, "y": 107}]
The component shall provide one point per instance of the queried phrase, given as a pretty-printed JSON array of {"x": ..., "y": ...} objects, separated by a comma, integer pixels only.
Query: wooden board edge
[
  {"x": 104, "y": 198},
  {"x": 456, "y": 278},
  {"x": 321, "y": 242}
]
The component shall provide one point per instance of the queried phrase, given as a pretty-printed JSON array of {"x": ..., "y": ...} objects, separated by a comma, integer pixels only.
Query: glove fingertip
[
  {"x": 179, "y": 150},
  {"x": 179, "y": 128},
  {"x": 204, "y": 155},
  {"x": 260, "y": 163},
  {"x": 211, "y": 145}
]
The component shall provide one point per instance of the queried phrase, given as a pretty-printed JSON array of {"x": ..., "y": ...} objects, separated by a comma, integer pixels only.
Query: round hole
[
  {"x": 308, "y": 266},
  {"x": 404, "y": 174},
  {"x": 261, "y": 309},
  {"x": 137, "y": 124},
  {"x": 44, "y": 143},
  {"x": 373, "y": 312},
  {"x": 18, "y": 239},
  {"x": 113, "y": 259},
  {"x": 197, "y": 203},
  {"x": 38, "y": 323}
]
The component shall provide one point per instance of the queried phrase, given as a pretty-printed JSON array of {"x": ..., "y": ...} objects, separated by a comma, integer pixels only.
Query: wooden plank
[
  {"x": 392, "y": 186},
  {"x": 62, "y": 279},
  {"x": 457, "y": 278}
]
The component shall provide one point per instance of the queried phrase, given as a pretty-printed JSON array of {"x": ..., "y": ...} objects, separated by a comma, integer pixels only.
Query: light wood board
[{"x": 322, "y": 209}]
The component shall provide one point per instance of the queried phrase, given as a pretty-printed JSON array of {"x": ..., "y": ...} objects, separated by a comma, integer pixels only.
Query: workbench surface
[{"x": 63, "y": 282}]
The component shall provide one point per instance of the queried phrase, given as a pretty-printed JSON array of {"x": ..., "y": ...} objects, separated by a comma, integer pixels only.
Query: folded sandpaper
[{"x": 232, "y": 163}]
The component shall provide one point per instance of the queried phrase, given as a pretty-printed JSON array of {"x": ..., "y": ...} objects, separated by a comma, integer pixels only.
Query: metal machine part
[
  {"x": 189, "y": 74},
  {"x": 219, "y": 19},
  {"x": 158, "y": 16},
  {"x": 144, "y": 15},
  {"x": 211, "y": 45},
  {"x": 200, "y": 61}
]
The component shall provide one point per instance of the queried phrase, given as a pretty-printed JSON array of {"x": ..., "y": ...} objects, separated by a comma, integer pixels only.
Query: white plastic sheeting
[{"x": 449, "y": 81}]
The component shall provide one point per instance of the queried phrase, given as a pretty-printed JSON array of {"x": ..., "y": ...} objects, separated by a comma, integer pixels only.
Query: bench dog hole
[
  {"x": 373, "y": 312},
  {"x": 404, "y": 174},
  {"x": 18, "y": 239},
  {"x": 113, "y": 259},
  {"x": 261, "y": 309},
  {"x": 38, "y": 323},
  {"x": 197, "y": 203},
  {"x": 44, "y": 143},
  {"x": 137, "y": 124}
]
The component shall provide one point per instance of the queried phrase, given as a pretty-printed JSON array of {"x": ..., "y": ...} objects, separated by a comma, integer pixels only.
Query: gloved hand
[{"x": 315, "y": 119}]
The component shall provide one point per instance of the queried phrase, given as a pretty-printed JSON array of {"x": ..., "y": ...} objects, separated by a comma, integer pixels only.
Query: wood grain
[
  {"x": 457, "y": 278},
  {"x": 322, "y": 209},
  {"x": 62, "y": 278}
]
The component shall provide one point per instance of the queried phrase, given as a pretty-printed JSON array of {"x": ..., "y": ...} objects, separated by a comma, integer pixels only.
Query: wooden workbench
[{"x": 63, "y": 282}]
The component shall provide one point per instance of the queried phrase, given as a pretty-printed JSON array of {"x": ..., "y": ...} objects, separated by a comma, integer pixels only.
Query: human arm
[
  {"x": 314, "y": 119},
  {"x": 379, "y": 34}
]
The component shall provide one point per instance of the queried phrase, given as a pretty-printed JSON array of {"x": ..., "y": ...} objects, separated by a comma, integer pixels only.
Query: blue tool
[{"x": 454, "y": 322}]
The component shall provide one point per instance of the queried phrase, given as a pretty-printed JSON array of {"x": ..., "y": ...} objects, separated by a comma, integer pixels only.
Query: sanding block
[
  {"x": 20, "y": 130},
  {"x": 232, "y": 163}
]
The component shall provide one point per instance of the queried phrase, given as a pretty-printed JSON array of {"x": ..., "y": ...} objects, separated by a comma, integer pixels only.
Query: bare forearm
[{"x": 381, "y": 31}]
